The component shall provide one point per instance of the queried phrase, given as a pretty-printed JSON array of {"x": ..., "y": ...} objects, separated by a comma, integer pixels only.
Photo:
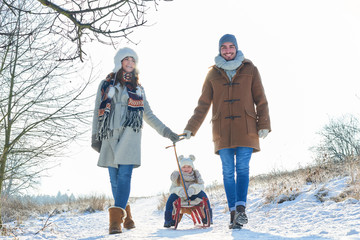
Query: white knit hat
[
  {"x": 121, "y": 54},
  {"x": 187, "y": 161}
]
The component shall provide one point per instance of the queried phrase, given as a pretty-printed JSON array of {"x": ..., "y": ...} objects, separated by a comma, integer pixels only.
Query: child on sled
[{"x": 194, "y": 186}]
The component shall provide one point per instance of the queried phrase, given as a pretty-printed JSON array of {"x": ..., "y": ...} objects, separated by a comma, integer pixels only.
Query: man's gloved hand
[
  {"x": 187, "y": 134},
  {"x": 263, "y": 133},
  {"x": 171, "y": 135}
]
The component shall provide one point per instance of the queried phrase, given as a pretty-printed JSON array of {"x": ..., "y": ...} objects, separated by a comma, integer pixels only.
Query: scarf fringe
[
  {"x": 134, "y": 119},
  {"x": 103, "y": 126}
]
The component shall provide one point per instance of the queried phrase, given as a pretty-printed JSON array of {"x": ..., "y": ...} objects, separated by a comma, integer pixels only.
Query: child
[{"x": 194, "y": 186}]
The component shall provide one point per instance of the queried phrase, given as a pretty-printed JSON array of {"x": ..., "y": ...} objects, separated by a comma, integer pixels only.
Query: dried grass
[
  {"x": 286, "y": 186},
  {"x": 279, "y": 186},
  {"x": 18, "y": 210},
  {"x": 162, "y": 201}
]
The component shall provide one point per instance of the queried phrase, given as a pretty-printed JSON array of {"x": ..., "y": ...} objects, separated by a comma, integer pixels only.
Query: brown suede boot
[
  {"x": 116, "y": 217},
  {"x": 129, "y": 223}
]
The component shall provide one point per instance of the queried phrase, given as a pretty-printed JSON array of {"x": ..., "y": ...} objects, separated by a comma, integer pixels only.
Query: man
[{"x": 240, "y": 116}]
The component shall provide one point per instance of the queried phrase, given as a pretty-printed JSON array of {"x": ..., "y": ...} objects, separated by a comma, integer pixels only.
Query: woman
[{"x": 120, "y": 108}]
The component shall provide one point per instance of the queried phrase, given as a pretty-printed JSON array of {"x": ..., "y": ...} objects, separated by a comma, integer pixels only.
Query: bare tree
[
  {"x": 81, "y": 21},
  {"x": 40, "y": 103},
  {"x": 340, "y": 140}
]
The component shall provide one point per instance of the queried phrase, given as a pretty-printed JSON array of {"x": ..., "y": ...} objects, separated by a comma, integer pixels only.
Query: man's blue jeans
[
  {"x": 236, "y": 159},
  {"x": 120, "y": 179}
]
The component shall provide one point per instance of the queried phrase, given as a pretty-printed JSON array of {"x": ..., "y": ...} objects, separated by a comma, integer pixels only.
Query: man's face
[{"x": 228, "y": 51}]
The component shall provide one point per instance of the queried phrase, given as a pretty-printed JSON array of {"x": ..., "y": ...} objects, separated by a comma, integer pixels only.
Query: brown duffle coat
[{"x": 239, "y": 108}]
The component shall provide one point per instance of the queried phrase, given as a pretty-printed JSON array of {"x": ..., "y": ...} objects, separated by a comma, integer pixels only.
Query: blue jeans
[
  {"x": 236, "y": 159},
  {"x": 120, "y": 179},
  {"x": 169, "y": 205}
]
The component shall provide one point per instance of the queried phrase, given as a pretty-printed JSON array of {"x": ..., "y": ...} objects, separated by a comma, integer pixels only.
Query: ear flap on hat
[{"x": 181, "y": 157}]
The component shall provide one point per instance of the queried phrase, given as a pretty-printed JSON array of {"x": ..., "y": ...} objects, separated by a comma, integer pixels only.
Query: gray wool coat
[{"x": 124, "y": 147}]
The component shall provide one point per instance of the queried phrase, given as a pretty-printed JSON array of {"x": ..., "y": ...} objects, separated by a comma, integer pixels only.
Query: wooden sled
[{"x": 197, "y": 211}]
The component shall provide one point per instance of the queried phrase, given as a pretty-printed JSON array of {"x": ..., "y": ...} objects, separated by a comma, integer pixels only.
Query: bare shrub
[{"x": 340, "y": 139}]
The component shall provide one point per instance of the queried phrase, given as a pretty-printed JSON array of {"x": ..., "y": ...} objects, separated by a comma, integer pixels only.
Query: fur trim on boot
[
  {"x": 116, "y": 218},
  {"x": 129, "y": 223}
]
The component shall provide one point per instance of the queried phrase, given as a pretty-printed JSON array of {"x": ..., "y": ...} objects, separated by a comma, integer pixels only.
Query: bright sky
[{"x": 308, "y": 55}]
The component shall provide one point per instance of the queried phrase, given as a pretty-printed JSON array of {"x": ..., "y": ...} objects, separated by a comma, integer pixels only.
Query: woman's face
[
  {"x": 128, "y": 64},
  {"x": 186, "y": 169}
]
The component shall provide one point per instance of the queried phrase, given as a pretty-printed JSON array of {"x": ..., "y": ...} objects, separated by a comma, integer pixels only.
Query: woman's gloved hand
[{"x": 171, "y": 135}]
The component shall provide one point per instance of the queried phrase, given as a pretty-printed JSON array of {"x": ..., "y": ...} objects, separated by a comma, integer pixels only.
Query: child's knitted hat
[{"x": 187, "y": 161}]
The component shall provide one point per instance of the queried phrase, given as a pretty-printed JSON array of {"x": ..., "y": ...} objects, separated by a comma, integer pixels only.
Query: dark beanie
[{"x": 228, "y": 38}]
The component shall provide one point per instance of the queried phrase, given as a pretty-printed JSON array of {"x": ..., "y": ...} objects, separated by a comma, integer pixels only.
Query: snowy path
[{"x": 303, "y": 218}]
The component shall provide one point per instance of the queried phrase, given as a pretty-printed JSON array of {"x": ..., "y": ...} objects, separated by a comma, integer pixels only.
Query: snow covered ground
[{"x": 303, "y": 218}]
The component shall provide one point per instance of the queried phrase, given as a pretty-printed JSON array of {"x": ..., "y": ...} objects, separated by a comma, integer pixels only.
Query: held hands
[{"x": 263, "y": 133}]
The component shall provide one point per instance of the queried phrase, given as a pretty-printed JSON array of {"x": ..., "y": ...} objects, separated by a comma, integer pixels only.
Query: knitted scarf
[
  {"x": 232, "y": 64},
  {"x": 189, "y": 178},
  {"x": 135, "y": 109},
  {"x": 134, "y": 115},
  {"x": 105, "y": 108}
]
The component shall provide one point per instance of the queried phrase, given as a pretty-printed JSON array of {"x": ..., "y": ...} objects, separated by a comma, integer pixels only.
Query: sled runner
[
  {"x": 197, "y": 209},
  {"x": 199, "y": 212}
]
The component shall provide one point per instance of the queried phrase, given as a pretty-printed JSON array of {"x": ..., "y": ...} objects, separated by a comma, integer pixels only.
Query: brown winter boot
[
  {"x": 240, "y": 215},
  {"x": 233, "y": 224},
  {"x": 129, "y": 223},
  {"x": 116, "y": 216}
]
